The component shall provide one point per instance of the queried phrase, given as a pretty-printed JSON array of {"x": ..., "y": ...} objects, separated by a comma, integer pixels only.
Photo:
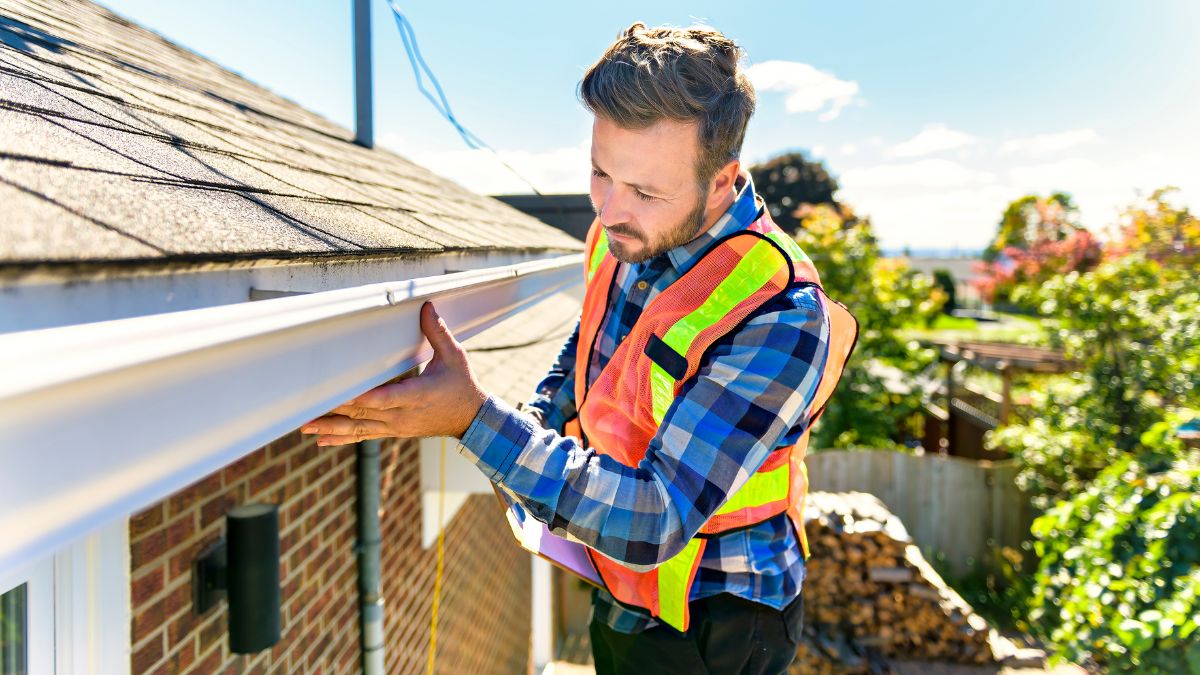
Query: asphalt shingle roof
[{"x": 118, "y": 145}]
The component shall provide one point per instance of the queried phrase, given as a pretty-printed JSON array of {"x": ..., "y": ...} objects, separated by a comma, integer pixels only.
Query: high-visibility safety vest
[{"x": 619, "y": 414}]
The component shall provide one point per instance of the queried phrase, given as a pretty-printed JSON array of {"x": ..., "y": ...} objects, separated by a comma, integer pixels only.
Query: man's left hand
[{"x": 441, "y": 401}]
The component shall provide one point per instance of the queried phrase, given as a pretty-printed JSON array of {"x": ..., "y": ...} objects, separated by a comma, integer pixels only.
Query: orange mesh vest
[{"x": 621, "y": 411}]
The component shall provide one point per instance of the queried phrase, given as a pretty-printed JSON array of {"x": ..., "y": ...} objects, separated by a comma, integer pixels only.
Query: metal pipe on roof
[
  {"x": 364, "y": 113},
  {"x": 369, "y": 541}
]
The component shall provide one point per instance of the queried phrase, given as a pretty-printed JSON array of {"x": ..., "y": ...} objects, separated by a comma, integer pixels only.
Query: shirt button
[{"x": 642, "y": 285}]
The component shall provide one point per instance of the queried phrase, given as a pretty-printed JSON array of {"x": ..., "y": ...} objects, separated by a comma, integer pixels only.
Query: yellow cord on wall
[{"x": 437, "y": 580}]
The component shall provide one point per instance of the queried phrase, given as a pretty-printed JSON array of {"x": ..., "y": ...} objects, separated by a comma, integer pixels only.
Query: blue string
[{"x": 421, "y": 69}]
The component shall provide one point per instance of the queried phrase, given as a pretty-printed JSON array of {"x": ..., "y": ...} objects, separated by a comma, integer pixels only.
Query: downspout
[{"x": 370, "y": 596}]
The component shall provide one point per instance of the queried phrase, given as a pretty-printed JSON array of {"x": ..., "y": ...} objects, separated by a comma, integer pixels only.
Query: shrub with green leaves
[{"x": 1118, "y": 581}]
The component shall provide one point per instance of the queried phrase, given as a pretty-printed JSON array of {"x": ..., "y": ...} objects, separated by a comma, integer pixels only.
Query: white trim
[
  {"x": 48, "y": 298},
  {"x": 463, "y": 479},
  {"x": 92, "y": 610},
  {"x": 542, "y": 606},
  {"x": 99, "y": 420}
]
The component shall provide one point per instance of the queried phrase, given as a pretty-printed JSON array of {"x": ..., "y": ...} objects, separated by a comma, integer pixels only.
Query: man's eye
[
  {"x": 644, "y": 197},
  {"x": 599, "y": 174}
]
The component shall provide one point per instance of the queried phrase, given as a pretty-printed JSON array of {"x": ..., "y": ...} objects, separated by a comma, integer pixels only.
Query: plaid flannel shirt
[{"x": 753, "y": 393}]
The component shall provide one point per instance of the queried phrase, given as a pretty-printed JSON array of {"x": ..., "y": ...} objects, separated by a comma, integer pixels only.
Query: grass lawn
[{"x": 1010, "y": 328}]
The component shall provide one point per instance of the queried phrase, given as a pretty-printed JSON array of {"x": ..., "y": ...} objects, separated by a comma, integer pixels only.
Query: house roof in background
[
  {"x": 512, "y": 357},
  {"x": 118, "y": 145}
]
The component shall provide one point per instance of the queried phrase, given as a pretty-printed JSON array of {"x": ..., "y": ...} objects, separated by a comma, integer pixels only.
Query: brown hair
[{"x": 684, "y": 74}]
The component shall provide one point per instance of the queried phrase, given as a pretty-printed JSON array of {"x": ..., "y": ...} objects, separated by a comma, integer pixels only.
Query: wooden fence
[{"x": 963, "y": 509}]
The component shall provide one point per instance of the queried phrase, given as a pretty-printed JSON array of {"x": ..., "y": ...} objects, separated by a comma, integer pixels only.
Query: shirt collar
[{"x": 740, "y": 214}]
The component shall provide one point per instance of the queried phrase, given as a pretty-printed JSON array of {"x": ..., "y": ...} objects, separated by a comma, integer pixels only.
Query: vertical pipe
[
  {"x": 370, "y": 596},
  {"x": 364, "y": 121}
]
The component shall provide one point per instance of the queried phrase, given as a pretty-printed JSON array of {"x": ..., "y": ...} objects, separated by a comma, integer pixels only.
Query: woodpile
[{"x": 870, "y": 597}]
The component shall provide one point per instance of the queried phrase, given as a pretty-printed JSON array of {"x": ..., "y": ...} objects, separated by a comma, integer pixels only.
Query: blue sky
[{"x": 934, "y": 115}]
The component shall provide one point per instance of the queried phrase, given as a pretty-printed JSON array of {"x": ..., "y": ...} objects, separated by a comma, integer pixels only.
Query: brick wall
[
  {"x": 484, "y": 612},
  {"x": 484, "y": 616}
]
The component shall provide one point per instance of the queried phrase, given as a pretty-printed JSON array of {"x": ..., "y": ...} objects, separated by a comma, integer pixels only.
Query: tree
[
  {"x": 1032, "y": 219},
  {"x": 789, "y": 182},
  {"x": 945, "y": 280},
  {"x": 1036, "y": 240},
  {"x": 885, "y": 295},
  {"x": 1164, "y": 232}
]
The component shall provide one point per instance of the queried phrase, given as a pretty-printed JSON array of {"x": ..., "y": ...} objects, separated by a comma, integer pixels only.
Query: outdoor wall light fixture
[{"x": 245, "y": 569}]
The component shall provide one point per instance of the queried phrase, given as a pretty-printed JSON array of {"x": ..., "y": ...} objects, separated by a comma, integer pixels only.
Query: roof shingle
[{"x": 116, "y": 144}]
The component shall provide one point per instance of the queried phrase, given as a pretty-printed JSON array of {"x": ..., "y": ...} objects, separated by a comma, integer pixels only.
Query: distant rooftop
[{"x": 118, "y": 145}]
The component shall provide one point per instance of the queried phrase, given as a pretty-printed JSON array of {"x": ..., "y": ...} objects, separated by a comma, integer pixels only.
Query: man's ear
[{"x": 721, "y": 186}]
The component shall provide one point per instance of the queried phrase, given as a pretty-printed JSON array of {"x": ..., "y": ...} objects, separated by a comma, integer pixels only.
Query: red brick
[
  {"x": 216, "y": 507},
  {"x": 210, "y": 664},
  {"x": 267, "y": 478},
  {"x": 146, "y": 586},
  {"x": 181, "y": 530},
  {"x": 180, "y": 564},
  {"x": 303, "y": 455},
  {"x": 147, "y": 549},
  {"x": 141, "y": 523},
  {"x": 145, "y": 658},
  {"x": 148, "y": 620},
  {"x": 194, "y": 493},
  {"x": 244, "y": 466},
  {"x": 212, "y": 632},
  {"x": 180, "y": 628},
  {"x": 181, "y": 658}
]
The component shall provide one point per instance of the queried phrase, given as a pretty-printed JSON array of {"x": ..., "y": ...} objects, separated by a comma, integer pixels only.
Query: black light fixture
[{"x": 245, "y": 569}]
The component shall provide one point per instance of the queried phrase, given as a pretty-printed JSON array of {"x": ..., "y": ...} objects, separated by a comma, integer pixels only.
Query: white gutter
[{"x": 100, "y": 420}]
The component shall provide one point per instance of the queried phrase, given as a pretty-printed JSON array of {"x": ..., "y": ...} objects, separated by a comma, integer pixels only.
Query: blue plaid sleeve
[
  {"x": 554, "y": 397},
  {"x": 756, "y": 386}
]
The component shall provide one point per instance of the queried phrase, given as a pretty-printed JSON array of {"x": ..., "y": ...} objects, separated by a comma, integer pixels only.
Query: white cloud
[
  {"x": 925, "y": 173},
  {"x": 808, "y": 89},
  {"x": 1044, "y": 144},
  {"x": 935, "y": 203},
  {"x": 848, "y": 149},
  {"x": 1102, "y": 189},
  {"x": 557, "y": 170},
  {"x": 933, "y": 138}
]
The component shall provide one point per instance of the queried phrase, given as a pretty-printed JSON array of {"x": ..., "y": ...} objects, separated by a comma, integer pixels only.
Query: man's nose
[{"x": 614, "y": 209}]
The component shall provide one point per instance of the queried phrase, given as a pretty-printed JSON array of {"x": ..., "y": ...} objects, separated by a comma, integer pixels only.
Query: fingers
[
  {"x": 402, "y": 394},
  {"x": 338, "y": 425},
  {"x": 439, "y": 335},
  {"x": 346, "y": 440}
]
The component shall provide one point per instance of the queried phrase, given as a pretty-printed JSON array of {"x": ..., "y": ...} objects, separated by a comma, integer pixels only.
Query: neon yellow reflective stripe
[
  {"x": 598, "y": 253},
  {"x": 763, "y": 487},
  {"x": 673, "y": 584},
  {"x": 753, "y": 271},
  {"x": 662, "y": 391},
  {"x": 793, "y": 249}
]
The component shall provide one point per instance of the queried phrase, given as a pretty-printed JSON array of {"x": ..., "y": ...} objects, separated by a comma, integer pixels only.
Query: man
[{"x": 669, "y": 436}]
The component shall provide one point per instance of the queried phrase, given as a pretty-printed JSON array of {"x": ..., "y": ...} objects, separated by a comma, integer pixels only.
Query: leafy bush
[
  {"x": 885, "y": 295},
  {"x": 1133, "y": 326},
  {"x": 1119, "y": 575}
]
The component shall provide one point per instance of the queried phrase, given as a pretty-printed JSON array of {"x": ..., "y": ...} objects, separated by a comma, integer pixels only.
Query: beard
[{"x": 679, "y": 234}]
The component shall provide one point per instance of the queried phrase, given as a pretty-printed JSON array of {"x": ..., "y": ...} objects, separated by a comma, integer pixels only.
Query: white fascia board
[
  {"x": 49, "y": 298},
  {"x": 100, "y": 420}
]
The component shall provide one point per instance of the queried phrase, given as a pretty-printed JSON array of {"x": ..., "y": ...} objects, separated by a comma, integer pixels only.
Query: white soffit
[{"x": 100, "y": 420}]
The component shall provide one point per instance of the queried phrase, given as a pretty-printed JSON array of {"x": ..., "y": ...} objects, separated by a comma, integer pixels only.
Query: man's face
[{"x": 644, "y": 188}]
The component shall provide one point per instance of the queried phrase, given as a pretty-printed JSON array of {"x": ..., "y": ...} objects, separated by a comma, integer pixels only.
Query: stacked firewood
[{"x": 870, "y": 597}]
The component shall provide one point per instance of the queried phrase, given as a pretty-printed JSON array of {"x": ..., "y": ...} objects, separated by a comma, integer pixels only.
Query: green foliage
[
  {"x": 1119, "y": 574},
  {"x": 1133, "y": 327},
  {"x": 1032, "y": 218},
  {"x": 788, "y": 182},
  {"x": 884, "y": 295},
  {"x": 945, "y": 280}
]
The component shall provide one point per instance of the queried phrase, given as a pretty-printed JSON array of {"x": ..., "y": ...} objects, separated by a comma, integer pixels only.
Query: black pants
[{"x": 728, "y": 635}]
